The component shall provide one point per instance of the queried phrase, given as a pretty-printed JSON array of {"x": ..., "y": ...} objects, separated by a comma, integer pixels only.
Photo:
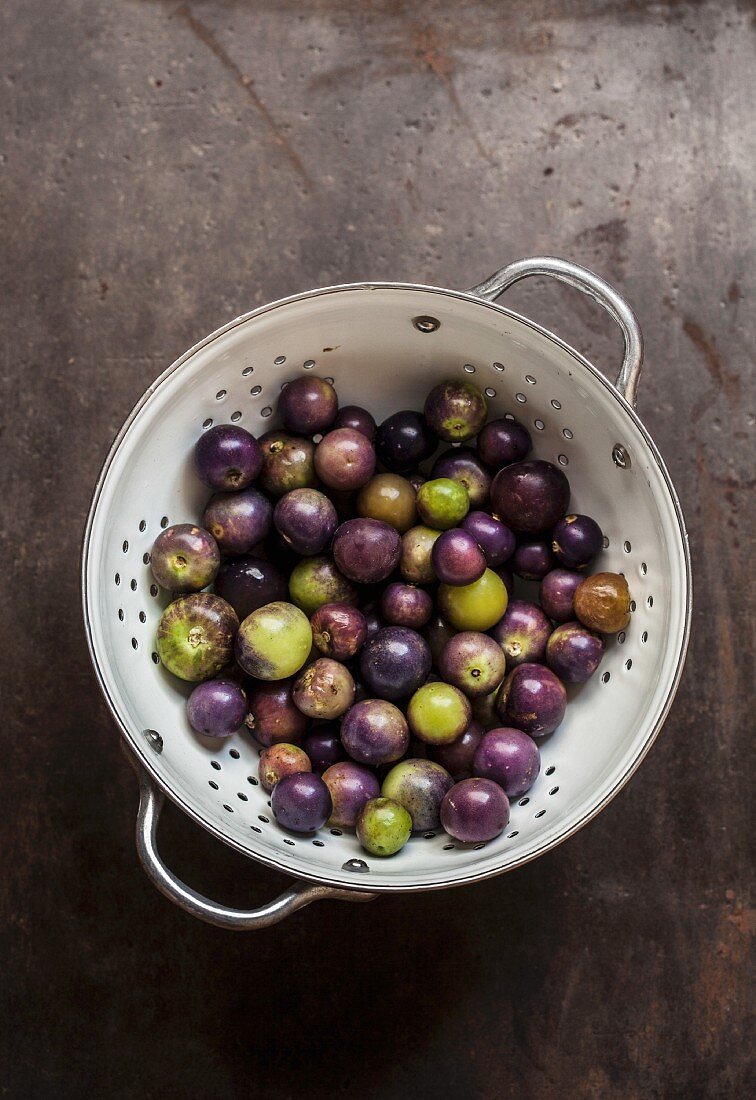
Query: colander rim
[{"x": 140, "y": 749}]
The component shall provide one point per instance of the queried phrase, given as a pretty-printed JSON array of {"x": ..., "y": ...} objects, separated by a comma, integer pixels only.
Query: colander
[{"x": 384, "y": 346}]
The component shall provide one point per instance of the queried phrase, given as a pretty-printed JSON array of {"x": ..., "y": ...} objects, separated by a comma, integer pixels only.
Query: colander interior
[{"x": 369, "y": 341}]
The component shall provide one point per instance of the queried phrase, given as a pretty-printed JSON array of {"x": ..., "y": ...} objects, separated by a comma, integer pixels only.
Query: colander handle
[
  {"x": 592, "y": 285},
  {"x": 151, "y": 801}
]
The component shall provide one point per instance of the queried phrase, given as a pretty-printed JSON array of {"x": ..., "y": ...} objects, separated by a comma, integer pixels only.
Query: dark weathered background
[{"x": 167, "y": 166}]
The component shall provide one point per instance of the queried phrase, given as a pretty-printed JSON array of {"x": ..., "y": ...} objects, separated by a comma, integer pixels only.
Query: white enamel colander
[{"x": 384, "y": 346}]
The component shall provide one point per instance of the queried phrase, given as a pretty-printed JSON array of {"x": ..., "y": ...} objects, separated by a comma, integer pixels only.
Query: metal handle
[
  {"x": 151, "y": 801},
  {"x": 592, "y": 285}
]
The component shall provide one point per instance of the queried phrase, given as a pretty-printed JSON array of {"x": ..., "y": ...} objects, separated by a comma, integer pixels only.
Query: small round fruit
[
  {"x": 308, "y": 405},
  {"x": 574, "y": 652},
  {"x": 442, "y": 503},
  {"x": 522, "y": 632},
  {"x": 532, "y": 560},
  {"x": 557, "y": 594},
  {"x": 227, "y": 458},
  {"x": 350, "y": 785},
  {"x": 357, "y": 418},
  {"x": 462, "y": 464},
  {"x": 406, "y": 605},
  {"x": 217, "y": 708},
  {"x": 395, "y": 662},
  {"x": 184, "y": 558},
  {"x": 475, "y": 606},
  {"x": 415, "y": 562},
  {"x": 508, "y": 757},
  {"x": 403, "y": 441},
  {"x": 344, "y": 459},
  {"x": 495, "y": 539},
  {"x": 306, "y": 519},
  {"x": 280, "y": 760},
  {"x": 274, "y": 641},
  {"x": 324, "y": 690},
  {"x": 472, "y": 662},
  {"x": 338, "y": 630},
  {"x": 374, "y": 732},
  {"x": 238, "y": 521},
  {"x": 532, "y": 699},
  {"x": 456, "y": 558},
  {"x": 324, "y": 747},
  {"x": 503, "y": 442},
  {"x": 438, "y": 713},
  {"x": 576, "y": 540},
  {"x": 366, "y": 550},
  {"x": 195, "y": 636},
  {"x": 249, "y": 583},
  {"x": 288, "y": 463},
  {"x": 316, "y": 581},
  {"x": 437, "y": 633},
  {"x": 273, "y": 718},
  {"x": 530, "y": 497},
  {"x": 455, "y": 410},
  {"x": 474, "y": 811},
  {"x": 383, "y": 827},
  {"x": 457, "y": 757},
  {"x": 419, "y": 786},
  {"x": 390, "y": 498},
  {"x": 602, "y": 602},
  {"x": 301, "y": 802}
]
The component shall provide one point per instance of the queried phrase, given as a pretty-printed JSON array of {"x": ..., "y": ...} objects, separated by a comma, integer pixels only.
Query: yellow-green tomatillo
[{"x": 438, "y": 713}]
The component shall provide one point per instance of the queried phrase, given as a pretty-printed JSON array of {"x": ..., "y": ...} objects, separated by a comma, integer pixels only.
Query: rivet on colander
[
  {"x": 154, "y": 740},
  {"x": 358, "y": 865},
  {"x": 426, "y": 324},
  {"x": 620, "y": 457}
]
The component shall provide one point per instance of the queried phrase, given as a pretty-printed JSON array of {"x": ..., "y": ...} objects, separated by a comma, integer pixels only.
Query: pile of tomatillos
[{"x": 361, "y": 623}]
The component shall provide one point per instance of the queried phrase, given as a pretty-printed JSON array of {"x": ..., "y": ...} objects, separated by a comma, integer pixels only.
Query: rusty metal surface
[{"x": 165, "y": 166}]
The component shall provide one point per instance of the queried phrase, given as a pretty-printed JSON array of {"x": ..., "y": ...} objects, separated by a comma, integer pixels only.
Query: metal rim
[{"x": 281, "y": 865}]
